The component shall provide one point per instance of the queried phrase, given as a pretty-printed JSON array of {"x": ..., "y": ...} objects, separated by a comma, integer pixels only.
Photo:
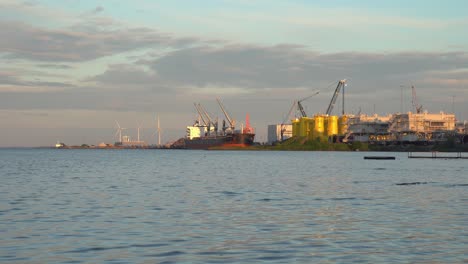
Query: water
[{"x": 175, "y": 206}]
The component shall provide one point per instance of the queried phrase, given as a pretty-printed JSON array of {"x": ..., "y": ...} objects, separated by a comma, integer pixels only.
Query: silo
[
  {"x": 310, "y": 129},
  {"x": 343, "y": 125},
  {"x": 319, "y": 126},
  {"x": 295, "y": 127},
  {"x": 332, "y": 125},
  {"x": 303, "y": 127}
]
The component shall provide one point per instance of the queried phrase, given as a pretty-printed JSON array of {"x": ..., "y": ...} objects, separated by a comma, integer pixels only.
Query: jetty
[{"x": 437, "y": 155}]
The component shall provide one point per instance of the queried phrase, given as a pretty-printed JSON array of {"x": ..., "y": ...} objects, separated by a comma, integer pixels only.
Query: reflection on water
[{"x": 175, "y": 206}]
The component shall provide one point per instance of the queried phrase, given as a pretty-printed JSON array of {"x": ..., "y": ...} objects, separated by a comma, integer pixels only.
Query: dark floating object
[
  {"x": 380, "y": 157},
  {"x": 411, "y": 183}
]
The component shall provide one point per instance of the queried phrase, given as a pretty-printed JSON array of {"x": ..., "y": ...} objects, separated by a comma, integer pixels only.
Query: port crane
[
  {"x": 299, "y": 105},
  {"x": 341, "y": 85},
  {"x": 200, "y": 114},
  {"x": 231, "y": 121},
  {"x": 210, "y": 120},
  {"x": 282, "y": 129},
  {"x": 205, "y": 117},
  {"x": 414, "y": 100}
]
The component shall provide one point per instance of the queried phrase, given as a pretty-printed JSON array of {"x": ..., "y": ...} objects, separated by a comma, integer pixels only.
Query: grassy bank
[{"x": 303, "y": 144}]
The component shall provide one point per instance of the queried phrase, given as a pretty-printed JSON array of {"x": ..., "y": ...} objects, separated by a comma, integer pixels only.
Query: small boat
[{"x": 380, "y": 157}]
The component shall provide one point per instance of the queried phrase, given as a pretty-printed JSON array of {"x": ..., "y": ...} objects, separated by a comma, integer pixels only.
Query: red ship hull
[{"x": 230, "y": 140}]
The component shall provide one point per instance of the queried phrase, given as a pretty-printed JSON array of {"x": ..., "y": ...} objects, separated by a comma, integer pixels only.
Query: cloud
[
  {"x": 11, "y": 82},
  {"x": 55, "y": 66},
  {"x": 98, "y": 9},
  {"x": 126, "y": 75},
  {"x": 283, "y": 66},
  {"x": 83, "y": 42}
]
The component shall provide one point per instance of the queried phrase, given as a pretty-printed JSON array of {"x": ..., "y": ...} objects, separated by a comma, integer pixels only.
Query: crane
[
  {"x": 299, "y": 105},
  {"x": 414, "y": 100},
  {"x": 210, "y": 121},
  {"x": 341, "y": 84},
  {"x": 231, "y": 121},
  {"x": 200, "y": 113},
  {"x": 285, "y": 119}
]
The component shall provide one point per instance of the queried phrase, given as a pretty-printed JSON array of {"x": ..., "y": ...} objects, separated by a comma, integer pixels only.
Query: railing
[{"x": 437, "y": 155}]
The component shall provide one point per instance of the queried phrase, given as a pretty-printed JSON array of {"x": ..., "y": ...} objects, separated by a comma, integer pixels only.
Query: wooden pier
[{"x": 438, "y": 155}]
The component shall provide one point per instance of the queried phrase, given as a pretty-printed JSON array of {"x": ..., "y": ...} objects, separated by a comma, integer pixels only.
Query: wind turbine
[
  {"x": 158, "y": 130},
  {"x": 119, "y": 131},
  {"x": 138, "y": 129}
]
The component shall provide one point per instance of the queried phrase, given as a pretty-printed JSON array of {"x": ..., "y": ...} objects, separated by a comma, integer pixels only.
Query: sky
[{"x": 70, "y": 69}]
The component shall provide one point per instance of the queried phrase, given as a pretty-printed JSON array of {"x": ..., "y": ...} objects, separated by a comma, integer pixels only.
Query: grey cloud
[
  {"x": 245, "y": 66},
  {"x": 123, "y": 74},
  {"x": 92, "y": 98},
  {"x": 80, "y": 43},
  {"x": 98, "y": 9},
  {"x": 29, "y": 3},
  {"x": 8, "y": 78},
  {"x": 291, "y": 66},
  {"x": 273, "y": 74},
  {"x": 55, "y": 66},
  {"x": 12, "y": 79}
]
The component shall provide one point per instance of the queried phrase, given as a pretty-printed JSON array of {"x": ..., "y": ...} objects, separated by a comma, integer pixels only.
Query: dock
[{"x": 437, "y": 155}]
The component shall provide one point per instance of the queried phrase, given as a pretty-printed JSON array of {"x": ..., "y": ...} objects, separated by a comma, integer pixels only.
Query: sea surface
[{"x": 183, "y": 206}]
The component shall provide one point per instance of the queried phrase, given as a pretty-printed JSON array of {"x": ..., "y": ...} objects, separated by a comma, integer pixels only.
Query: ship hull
[{"x": 231, "y": 140}]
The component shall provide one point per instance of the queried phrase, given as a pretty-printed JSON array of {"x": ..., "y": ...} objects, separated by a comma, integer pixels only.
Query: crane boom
[
  {"x": 210, "y": 121},
  {"x": 231, "y": 121},
  {"x": 341, "y": 83},
  {"x": 301, "y": 109},
  {"x": 414, "y": 100},
  {"x": 205, "y": 113},
  {"x": 299, "y": 105},
  {"x": 200, "y": 113}
]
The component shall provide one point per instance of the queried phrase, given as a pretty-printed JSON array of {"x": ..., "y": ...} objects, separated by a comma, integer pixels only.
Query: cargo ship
[
  {"x": 230, "y": 140},
  {"x": 204, "y": 133}
]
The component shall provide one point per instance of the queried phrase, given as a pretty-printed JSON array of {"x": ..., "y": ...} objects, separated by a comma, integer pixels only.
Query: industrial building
[
  {"x": 279, "y": 132},
  {"x": 418, "y": 126},
  {"x": 423, "y": 124},
  {"x": 366, "y": 128},
  {"x": 408, "y": 127}
]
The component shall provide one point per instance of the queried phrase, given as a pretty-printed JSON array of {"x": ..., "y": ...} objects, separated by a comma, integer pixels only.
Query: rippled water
[{"x": 175, "y": 206}]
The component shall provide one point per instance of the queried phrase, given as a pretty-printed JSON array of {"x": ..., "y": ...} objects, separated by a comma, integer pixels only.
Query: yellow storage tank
[
  {"x": 310, "y": 127},
  {"x": 311, "y": 134},
  {"x": 332, "y": 125},
  {"x": 319, "y": 126},
  {"x": 295, "y": 127},
  {"x": 342, "y": 125},
  {"x": 303, "y": 127}
]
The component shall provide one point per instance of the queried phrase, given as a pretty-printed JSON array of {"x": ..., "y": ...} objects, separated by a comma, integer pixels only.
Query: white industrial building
[
  {"x": 401, "y": 126},
  {"x": 274, "y": 132},
  {"x": 422, "y": 122}
]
